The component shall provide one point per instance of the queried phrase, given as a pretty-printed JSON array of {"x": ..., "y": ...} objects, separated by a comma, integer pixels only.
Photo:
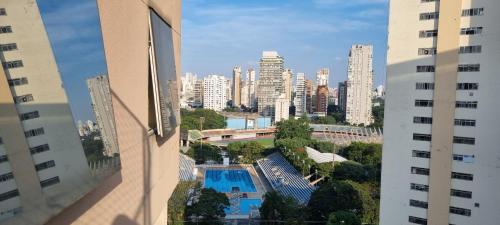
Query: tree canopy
[
  {"x": 279, "y": 207},
  {"x": 293, "y": 128},
  {"x": 209, "y": 209},
  {"x": 368, "y": 154},
  {"x": 191, "y": 119},
  {"x": 250, "y": 151},
  {"x": 343, "y": 218},
  {"x": 202, "y": 153}
]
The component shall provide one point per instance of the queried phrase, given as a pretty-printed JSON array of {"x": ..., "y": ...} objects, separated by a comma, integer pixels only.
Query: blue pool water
[
  {"x": 245, "y": 205},
  {"x": 225, "y": 180}
]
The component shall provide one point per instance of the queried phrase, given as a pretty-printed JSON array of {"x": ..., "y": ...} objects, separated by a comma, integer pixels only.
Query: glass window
[
  {"x": 49, "y": 182},
  {"x": 5, "y": 29},
  {"x": 8, "y": 47}
]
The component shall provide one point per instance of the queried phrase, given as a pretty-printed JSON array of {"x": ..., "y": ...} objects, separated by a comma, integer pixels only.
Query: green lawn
[{"x": 268, "y": 142}]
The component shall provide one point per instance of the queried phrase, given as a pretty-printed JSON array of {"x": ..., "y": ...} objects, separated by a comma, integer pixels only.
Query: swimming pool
[
  {"x": 245, "y": 206},
  {"x": 225, "y": 180}
]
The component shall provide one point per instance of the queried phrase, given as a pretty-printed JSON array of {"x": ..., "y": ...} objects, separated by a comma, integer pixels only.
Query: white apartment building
[
  {"x": 236, "y": 86},
  {"x": 215, "y": 92},
  {"x": 103, "y": 110},
  {"x": 188, "y": 83},
  {"x": 322, "y": 76},
  {"x": 441, "y": 157},
  {"x": 287, "y": 81},
  {"x": 271, "y": 84},
  {"x": 359, "y": 85},
  {"x": 43, "y": 167},
  {"x": 252, "y": 84},
  {"x": 300, "y": 95},
  {"x": 282, "y": 108}
]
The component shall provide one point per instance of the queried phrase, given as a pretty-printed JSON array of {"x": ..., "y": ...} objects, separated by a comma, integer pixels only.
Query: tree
[
  {"x": 368, "y": 154},
  {"x": 378, "y": 115},
  {"x": 202, "y": 153},
  {"x": 191, "y": 119},
  {"x": 250, "y": 151},
  {"x": 177, "y": 202},
  {"x": 293, "y": 128},
  {"x": 324, "y": 120},
  {"x": 279, "y": 207},
  {"x": 350, "y": 170},
  {"x": 209, "y": 208},
  {"x": 343, "y": 218}
]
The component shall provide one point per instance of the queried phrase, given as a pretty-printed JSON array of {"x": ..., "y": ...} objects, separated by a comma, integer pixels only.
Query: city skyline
[{"x": 77, "y": 42}]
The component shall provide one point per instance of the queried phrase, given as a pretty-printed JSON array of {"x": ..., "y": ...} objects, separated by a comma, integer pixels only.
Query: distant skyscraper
[
  {"x": 188, "y": 83},
  {"x": 300, "y": 95},
  {"x": 309, "y": 96},
  {"x": 380, "y": 91},
  {"x": 287, "y": 81},
  {"x": 322, "y": 77},
  {"x": 252, "y": 84},
  {"x": 245, "y": 97},
  {"x": 342, "y": 96},
  {"x": 271, "y": 84},
  {"x": 441, "y": 156},
  {"x": 199, "y": 91},
  {"x": 236, "y": 87},
  {"x": 215, "y": 92},
  {"x": 103, "y": 111},
  {"x": 333, "y": 96},
  {"x": 229, "y": 91},
  {"x": 281, "y": 108},
  {"x": 359, "y": 85},
  {"x": 322, "y": 99}
]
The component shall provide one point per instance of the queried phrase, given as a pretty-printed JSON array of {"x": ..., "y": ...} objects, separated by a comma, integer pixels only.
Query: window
[
  {"x": 3, "y": 158},
  {"x": 420, "y": 171},
  {"x": 423, "y": 103},
  {"x": 466, "y": 104},
  {"x": 9, "y": 195},
  {"x": 45, "y": 165},
  {"x": 419, "y": 187},
  {"x": 469, "y": 68},
  {"x": 464, "y": 158},
  {"x": 421, "y": 154},
  {"x": 8, "y": 47},
  {"x": 460, "y": 193},
  {"x": 471, "y": 30},
  {"x": 6, "y": 176},
  {"x": 39, "y": 149},
  {"x": 429, "y": 16},
  {"x": 422, "y": 137},
  {"x": 18, "y": 81},
  {"x": 473, "y": 12},
  {"x": 464, "y": 140},
  {"x": 1, "y": 141},
  {"x": 460, "y": 211},
  {"x": 23, "y": 98},
  {"x": 13, "y": 64},
  {"x": 465, "y": 123},
  {"x": 462, "y": 176},
  {"x": 425, "y": 69},
  {"x": 34, "y": 132},
  {"x": 422, "y": 120},
  {"x": 3, "y": 12},
  {"x": 470, "y": 49},
  {"x": 5, "y": 29},
  {"x": 49, "y": 182},
  {"x": 419, "y": 204},
  {"x": 427, "y": 33},
  {"x": 424, "y": 86},
  {"x": 467, "y": 86},
  {"x": 427, "y": 51},
  {"x": 418, "y": 220},
  {"x": 29, "y": 115}
]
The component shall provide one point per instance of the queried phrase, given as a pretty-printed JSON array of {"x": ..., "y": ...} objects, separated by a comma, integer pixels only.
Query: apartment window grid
[
  {"x": 421, "y": 154},
  {"x": 466, "y": 104},
  {"x": 463, "y": 158},
  {"x": 427, "y": 33},
  {"x": 427, "y": 51},
  {"x": 17, "y": 81},
  {"x": 23, "y": 98},
  {"x": 419, "y": 204},
  {"x": 6, "y": 176},
  {"x": 473, "y": 12},
  {"x": 39, "y": 149},
  {"x": 460, "y": 193},
  {"x": 426, "y": 69},
  {"x": 469, "y": 68},
  {"x": 460, "y": 211},
  {"x": 5, "y": 29},
  {"x": 419, "y": 187},
  {"x": 467, "y": 86},
  {"x": 419, "y": 171},
  {"x": 429, "y": 16},
  {"x": 424, "y": 103},
  {"x": 417, "y": 220},
  {"x": 464, "y": 140},
  {"x": 424, "y": 86},
  {"x": 29, "y": 115},
  {"x": 8, "y": 47},
  {"x": 13, "y": 64},
  {"x": 45, "y": 165},
  {"x": 49, "y": 182},
  {"x": 3, "y": 12},
  {"x": 465, "y": 122},
  {"x": 422, "y": 120},
  {"x": 470, "y": 49},
  {"x": 8, "y": 195},
  {"x": 471, "y": 30},
  {"x": 34, "y": 132},
  {"x": 422, "y": 137},
  {"x": 462, "y": 176}
]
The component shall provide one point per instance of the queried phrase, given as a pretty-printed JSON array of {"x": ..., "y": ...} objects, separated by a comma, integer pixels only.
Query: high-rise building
[
  {"x": 199, "y": 91},
  {"x": 43, "y": 167},
  {"x": 271, "y": 84},
  {"x": 103, "y": 111},
  {"x": 440, "y": 154},
  {"x": 252, "y": 92},
  {"x": 379, "y": 91},
  {"x": 300, "y": 95},
  {"x": 287, "y": 81},
  {"x": 215, "y": 94},
  {"x": 322, "y": 76},
  {"x": 236, "y": 87},
  {"x": 309, "y": 96},
  {"x": 245, "y": 97},
  {"x": 342, "y": 96},
  {"x": 282, "y": 107},
  {"x": 188, "y": 83},
  {"x": 333, "y": 96},
  {"x": 322, "y": 99},
  {"x": 229, "y": 91},
  {"x": 359, "y": 85}
]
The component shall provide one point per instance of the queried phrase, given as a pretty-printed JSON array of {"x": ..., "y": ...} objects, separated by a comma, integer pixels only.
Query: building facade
[
  {"x": 271, "y": 84},
  {"x": 300, "y": 95},
  {"x": 359, "y": 85},
  {"x": 287, "y": 81},
  {"x": 252, "y": 92},
  {"x": 103, "y": 110},
  {"x": 188, "y": 83},
  {"x": 309, "y": 96},
  {"x": 236, "y": 86},
  {"x": 440, "y": 154},
  {"x": 214, "y": 96},
  {"x": 322, "y": 76},
  {"x": 282, "y": 107},
  {"x": 342, "y": 96},
  {"x": 199, "y": 91},
  {"x": 322, "y": 100}
]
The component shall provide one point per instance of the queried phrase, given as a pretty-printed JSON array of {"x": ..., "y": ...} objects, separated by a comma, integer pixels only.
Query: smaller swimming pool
[
  {"x": 245, "y": 206},
  {"x": 223, "y": 180}
]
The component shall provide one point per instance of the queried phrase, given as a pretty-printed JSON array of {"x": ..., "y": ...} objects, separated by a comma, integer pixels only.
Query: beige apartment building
[
  {"x": 359, "y": 86},
  {"x": 441, "y": 160},
  {"x": 271, "y": 84},
  {"x": 236, "y": 89}
]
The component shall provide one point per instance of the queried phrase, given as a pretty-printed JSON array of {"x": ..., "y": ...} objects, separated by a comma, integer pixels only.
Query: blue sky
[{"x": 219, "y": 34}]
